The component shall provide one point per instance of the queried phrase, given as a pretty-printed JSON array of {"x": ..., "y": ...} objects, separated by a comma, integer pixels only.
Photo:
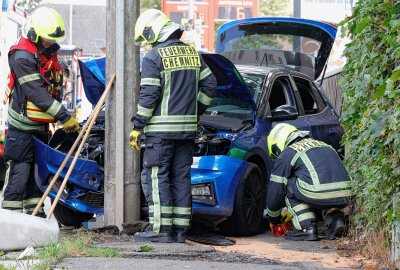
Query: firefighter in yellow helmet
[
  {"x": 176, "y": 87},
  {"x": 307, "y": 175},
  {"x": 33, "y": 94}
]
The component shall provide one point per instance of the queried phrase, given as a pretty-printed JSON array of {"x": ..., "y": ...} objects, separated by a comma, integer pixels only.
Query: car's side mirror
[{"x": 284, "y": 112}]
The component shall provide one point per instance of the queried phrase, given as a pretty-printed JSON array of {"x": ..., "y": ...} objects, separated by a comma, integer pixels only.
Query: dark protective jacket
[
  {"x": 176, "y": 87},
  {"x": 314, "y": 173},
  {"x": 34, "y": 87}
]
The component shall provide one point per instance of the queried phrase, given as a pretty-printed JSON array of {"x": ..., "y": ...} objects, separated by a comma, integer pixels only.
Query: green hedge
[{"x": 371, "y": 111}]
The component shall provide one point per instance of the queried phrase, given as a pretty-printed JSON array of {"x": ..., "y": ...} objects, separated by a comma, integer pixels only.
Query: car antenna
[
  {"x": 266, "y": 60},
  {"x": 323, "y": 74}
]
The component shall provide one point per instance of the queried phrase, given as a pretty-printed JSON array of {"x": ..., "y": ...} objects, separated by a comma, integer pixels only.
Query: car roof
[{"x": 267, "y": 70}]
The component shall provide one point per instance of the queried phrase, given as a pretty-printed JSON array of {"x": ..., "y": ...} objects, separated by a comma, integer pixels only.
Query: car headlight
[{"x": 203, "y": 193}]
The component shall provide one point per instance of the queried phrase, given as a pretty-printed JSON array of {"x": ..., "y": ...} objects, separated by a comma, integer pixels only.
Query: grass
[{"x": 78, "y": 245}]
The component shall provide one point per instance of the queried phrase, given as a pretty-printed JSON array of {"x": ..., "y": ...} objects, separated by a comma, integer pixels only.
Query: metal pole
[
  {"x": 297, "y": 8},
  {"x": 70, "y": 24},
  {"x": 191, "y": 9}
]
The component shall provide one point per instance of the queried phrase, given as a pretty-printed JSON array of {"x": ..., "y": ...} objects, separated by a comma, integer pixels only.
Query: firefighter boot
[
  {"x": 335, "y": 226},
  {"x": 179, "y": 237},
  {"x": 150, "y": 236},
  {"x": 308, "y": 234}
]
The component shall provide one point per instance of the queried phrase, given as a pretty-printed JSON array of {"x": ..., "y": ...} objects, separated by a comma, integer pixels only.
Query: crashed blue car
[{"x": 266, "y": 70}]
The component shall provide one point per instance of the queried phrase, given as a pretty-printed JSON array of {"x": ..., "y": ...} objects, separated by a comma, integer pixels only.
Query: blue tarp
[{"x": 93, "y": 78}]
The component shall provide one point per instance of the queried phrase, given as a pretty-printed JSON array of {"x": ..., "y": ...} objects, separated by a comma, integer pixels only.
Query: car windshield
[
  {"x": 297, "y": 39},
  {"x": 234, "y": 107}
]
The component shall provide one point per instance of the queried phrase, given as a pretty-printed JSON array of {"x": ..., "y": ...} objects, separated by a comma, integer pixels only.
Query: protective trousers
[
  {"x": 20, "y": 190},
  {"x": 166, "y": 183},
  {"x": 303, "y": 215}
]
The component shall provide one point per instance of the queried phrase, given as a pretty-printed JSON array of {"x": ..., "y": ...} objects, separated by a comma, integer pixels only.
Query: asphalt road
[{"x": 135, "y": 263}]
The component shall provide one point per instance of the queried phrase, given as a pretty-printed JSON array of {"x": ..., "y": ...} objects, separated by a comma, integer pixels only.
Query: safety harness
[{"x": 50, "y": 75}]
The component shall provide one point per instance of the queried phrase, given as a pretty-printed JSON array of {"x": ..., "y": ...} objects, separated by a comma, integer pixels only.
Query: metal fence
[{"x": 331, "y": 87}]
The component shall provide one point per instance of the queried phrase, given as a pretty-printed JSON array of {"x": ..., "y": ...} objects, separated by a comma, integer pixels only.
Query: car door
[
  {"x": 281, "y": 95},
  {"x": 323, "y": 122}
]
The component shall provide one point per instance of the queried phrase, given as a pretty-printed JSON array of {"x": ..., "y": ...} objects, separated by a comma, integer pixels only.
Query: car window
[
  {"x": 254, "y": 83},
  {"x": 229, "y": 107},
  {"x": 281, "y": 93},
  {"x": 312, "y": 101}
]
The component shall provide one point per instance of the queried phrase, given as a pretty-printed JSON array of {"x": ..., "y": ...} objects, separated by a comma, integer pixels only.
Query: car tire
[
  {"x": 249, "y": 204},
  {"x": 68, "y": 217}
]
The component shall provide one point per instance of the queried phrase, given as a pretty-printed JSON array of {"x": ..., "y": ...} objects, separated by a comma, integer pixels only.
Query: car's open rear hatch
[{"x": 298, "y": 44}]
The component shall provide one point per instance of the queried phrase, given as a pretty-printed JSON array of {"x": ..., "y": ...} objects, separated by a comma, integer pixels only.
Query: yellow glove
[
  {"x": 134, "y": 139},
  {"x": 71, "y": 125},
  {"x": 286, "y": 217}
]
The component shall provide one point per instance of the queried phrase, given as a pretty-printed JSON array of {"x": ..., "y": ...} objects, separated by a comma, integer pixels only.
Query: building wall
[{"x": 207, "y": 13}]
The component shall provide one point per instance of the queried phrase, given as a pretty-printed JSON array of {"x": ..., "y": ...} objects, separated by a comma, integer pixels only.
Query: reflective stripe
[
  {"x": 203, "y": 98},
  {"x": 32, "y": 201},
  {"x": 39, "y": 116},
  {"x": 182, "y": 210},
  {"x": 166, "y": 94},
  {"x": 310, "y": 168},
  {"x": 150, "y": 81},
  {"x": 164, "y": 221},
  {"x": 174, "y": 118},
  {"x": 295, "y": 219},
  {"x": 181, "y": 221},
  {"x": 23, "y": 123},
  {"x": 170, "y": 128},
  {"x": 323, "y": 187},
  {"x": 156, "y": 199},
  {"x": 273, "y": 213},
  {"x": 309, "y": 215},
  {"x": 12, "y": 204},
  {"x": 145, "y": 111},
  {"x": 28, "y": 78},
  {"x": 278, "y": 179},
  {"x": 54, "y": 108},
  {"x": 164, "y": 209},
  {"x": 324, "y": 195},
  {"x": 295, "y": 158},
  {"x": 178, "y": 69},
  {"x": 205, "y": 73},
  {"x": 300, "y": 207}
]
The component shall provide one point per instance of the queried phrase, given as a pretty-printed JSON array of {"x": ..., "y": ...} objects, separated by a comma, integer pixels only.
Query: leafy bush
[{"x": 371, "y": 111}]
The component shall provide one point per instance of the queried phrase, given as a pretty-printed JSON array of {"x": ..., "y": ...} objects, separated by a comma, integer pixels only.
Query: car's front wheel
[
  {"x": 69, "y": 217},
  {"x": 247, "y": 215}
]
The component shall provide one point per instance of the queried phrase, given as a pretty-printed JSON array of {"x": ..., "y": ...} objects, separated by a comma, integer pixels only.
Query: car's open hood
[
  {"x": 230, "y": 83},
  {"x": 299, "y": 44}
]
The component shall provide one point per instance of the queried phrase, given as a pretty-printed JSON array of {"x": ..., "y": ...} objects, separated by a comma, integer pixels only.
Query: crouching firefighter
[
  {"x": 176, "y": 87},
  {"x": 33, "y": 94},
  {"x": 307, "y": 175}
]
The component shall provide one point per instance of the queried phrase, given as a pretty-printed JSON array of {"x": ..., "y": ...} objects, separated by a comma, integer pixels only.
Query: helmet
[
  {"x": 46, "y": 23},
  {"x": 149, "y": 25},
  {"x": 281, "y": 136}
]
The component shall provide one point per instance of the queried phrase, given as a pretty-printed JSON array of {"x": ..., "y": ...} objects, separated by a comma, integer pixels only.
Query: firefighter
[
  {"x": 176, "y": 87},
  {"x": 33, "y": 93},
  {"x": 307, "y": 175}
]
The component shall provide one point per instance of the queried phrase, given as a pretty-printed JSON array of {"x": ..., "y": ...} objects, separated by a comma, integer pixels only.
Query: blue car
[{"x": 266, "y": 70}]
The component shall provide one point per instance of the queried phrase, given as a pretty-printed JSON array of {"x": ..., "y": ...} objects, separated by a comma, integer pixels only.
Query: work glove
[
  {"x": 71, "y": 125},
  {"x": 134, "y": 138},
  {"x": 286, "y": 217}
]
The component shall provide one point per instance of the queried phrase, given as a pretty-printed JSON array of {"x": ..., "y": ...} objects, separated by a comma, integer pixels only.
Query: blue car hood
[
  {"x": 230, "y": 83},
  {"x": 298, "y": 44}
]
